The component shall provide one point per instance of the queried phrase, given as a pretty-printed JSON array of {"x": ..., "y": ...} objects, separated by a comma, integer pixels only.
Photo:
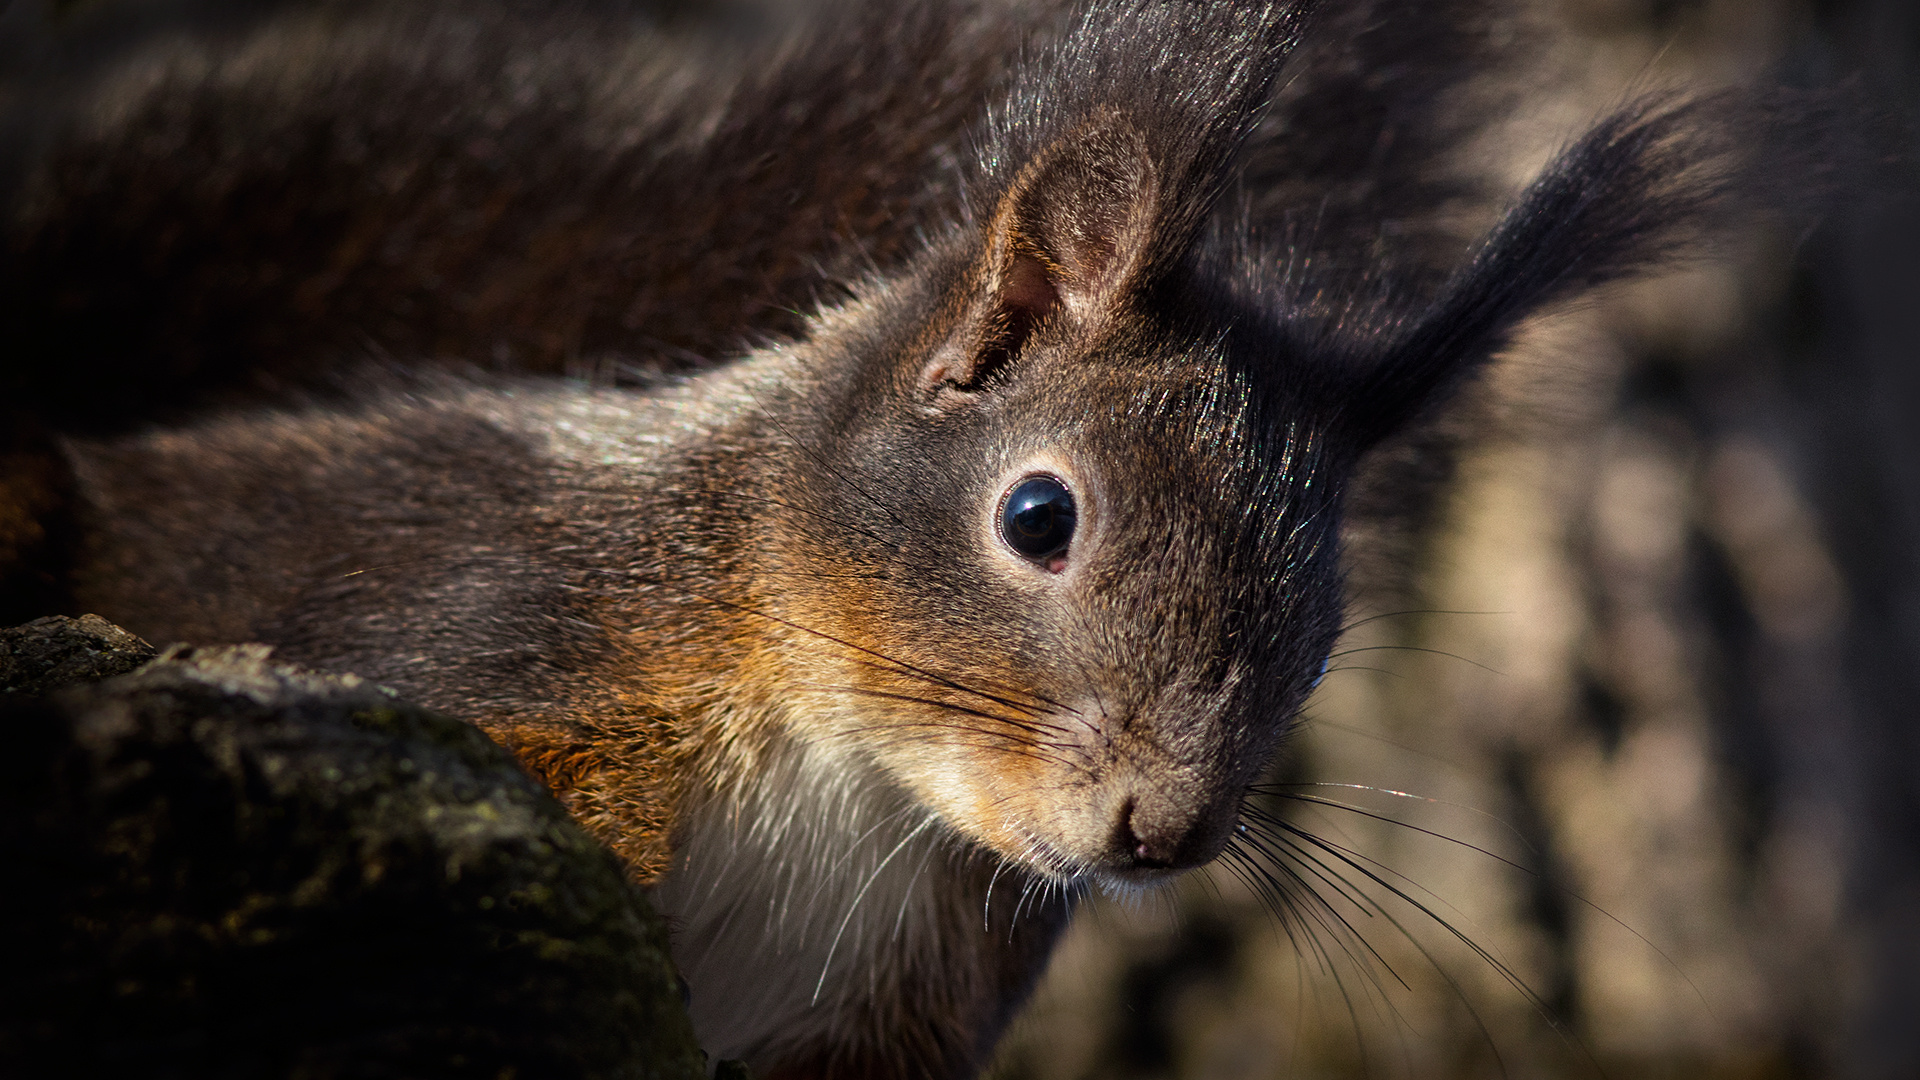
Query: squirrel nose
[{"x": 1153, "y": 840}]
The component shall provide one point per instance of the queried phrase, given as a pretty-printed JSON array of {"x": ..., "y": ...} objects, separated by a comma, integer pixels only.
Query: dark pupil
[{"x": 1038, "y": 520}]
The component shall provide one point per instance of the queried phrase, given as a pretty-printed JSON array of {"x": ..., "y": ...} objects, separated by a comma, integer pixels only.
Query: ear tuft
[
  {"x": 1646, "y": 186},
  {"x": 1098, "y": 173}
]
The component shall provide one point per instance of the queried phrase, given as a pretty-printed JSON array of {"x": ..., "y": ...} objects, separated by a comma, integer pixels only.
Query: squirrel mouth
[{"x": 1116, "y": 869}]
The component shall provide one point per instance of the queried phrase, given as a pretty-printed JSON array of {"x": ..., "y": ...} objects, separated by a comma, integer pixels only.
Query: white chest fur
[{"x": 825, "y": 906}]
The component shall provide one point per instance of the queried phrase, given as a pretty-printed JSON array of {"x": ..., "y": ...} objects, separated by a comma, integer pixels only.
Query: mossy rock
[
  {"x": 224, "y": 866},
  {"x": 50, "y": 654}
]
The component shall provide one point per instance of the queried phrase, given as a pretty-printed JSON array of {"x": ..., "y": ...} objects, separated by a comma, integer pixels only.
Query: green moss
[{"x": 233, "y": 866}]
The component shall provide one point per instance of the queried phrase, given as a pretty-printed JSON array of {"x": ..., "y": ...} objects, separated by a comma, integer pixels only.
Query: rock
[
  {"x": 47, "y": 654},
  {"x": 219, "y": 865}
]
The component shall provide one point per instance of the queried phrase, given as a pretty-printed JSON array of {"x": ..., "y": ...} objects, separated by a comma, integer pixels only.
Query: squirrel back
[{"x": 873, "y": 648}]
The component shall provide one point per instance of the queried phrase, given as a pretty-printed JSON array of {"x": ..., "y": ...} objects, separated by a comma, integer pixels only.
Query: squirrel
[{"x": 995, "y": 576}]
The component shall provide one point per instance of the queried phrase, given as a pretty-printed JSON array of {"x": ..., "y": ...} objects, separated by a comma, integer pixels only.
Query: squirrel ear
[
  {"x": 1067, "y": 241},
  {"x": 1102, "y": 167}
]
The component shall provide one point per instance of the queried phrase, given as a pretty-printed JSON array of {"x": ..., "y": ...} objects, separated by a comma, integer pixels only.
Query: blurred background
[{"x": 1617, "y": 774}]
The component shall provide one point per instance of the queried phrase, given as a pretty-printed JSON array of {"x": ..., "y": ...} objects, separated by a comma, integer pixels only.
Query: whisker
[
  {"x": 1281, "y": 862},
  {"x": 900, "y": 919},
  {"x": 1357, "y": 623},
  {"x": 1327, "y": 966},
  {"x": 986, "y": 907},
  {"x": 1355, "y": 861},
  {"x": 1031, "y": 727},
  {"x": 1415, "y": 649},
  {"x": 1306, "y": 907},
  {"x": 853, "y": 848},
  {"x": 854, "y": 906},
  {"x": 884, "y": 662},
  {"x": 1028, "y": 709},
  {"x": 1523, "y": 868},
  {"x": 1363, "y": 667},
  {"x": 1274, "y": 791},
  {"x": 1017, "y": 747},
  {"x": 1009, "y": 742},
  {"x": 1364, "y": 904},
  {"x": 896, "y": 664},
  {"x": 1281, "y": 896}
]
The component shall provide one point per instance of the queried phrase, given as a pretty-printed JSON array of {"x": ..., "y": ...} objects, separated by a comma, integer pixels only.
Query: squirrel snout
[{"x": 1164, "y": 834}]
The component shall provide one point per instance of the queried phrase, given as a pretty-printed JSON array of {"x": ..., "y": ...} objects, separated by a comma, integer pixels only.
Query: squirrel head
[{"x": 1061, "y": 503}]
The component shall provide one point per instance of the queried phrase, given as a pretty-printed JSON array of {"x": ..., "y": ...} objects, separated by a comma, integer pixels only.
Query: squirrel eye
[{"x": 1037, "y": 518}]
